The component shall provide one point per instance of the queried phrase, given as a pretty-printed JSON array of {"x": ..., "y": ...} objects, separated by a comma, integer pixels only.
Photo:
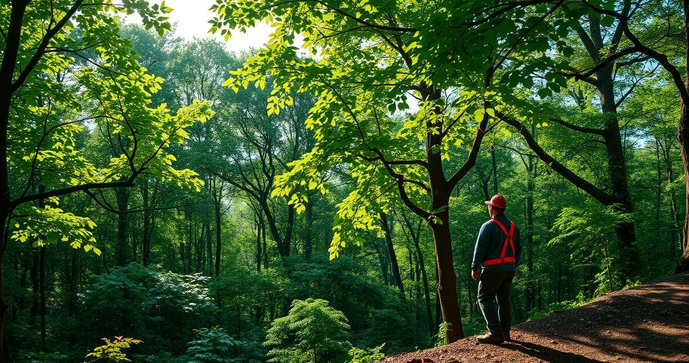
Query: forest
[{"x": 318, "y": 198}]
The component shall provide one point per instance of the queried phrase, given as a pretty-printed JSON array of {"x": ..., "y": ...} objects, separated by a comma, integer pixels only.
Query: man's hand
[{"x": 474, "y": 275}]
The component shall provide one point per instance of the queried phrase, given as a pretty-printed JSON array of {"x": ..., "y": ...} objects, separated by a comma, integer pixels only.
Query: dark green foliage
[
  {"x": 160, "y": 308},
  {"x": 214, "y": 345}
]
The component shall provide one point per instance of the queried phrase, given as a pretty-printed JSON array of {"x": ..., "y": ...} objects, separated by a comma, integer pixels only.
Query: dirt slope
[{"x": 649, "y": 323}]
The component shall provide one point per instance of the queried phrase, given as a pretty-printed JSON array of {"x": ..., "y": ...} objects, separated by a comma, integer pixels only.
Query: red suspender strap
[{"x": 509, "y": 240}]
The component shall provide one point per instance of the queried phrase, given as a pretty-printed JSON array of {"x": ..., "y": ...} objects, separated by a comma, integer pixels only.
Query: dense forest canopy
[{"x": 318, "y": 198}]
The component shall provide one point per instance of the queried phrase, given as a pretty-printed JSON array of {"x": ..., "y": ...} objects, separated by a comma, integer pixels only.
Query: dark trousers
[{"x": 494, "y": 286}]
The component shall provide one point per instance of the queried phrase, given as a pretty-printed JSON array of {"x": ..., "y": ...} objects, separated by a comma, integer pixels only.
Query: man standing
[{"x": 497, "y": 254}]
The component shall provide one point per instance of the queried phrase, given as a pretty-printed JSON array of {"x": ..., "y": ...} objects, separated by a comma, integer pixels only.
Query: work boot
[
  {"x": 490, "y": 338},
  {"x": 507, "y": 336}
]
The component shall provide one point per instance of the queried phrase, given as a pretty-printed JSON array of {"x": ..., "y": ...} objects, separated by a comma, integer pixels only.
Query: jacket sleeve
[
  {"x": 517, "y": 247},
  {"x": 481, "y": 247}
]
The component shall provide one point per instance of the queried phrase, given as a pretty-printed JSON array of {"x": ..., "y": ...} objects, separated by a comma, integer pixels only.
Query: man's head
[{"x": 496, "y": 205}]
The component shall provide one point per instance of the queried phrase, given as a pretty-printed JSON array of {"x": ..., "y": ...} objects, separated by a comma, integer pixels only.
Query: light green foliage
[
  {"x": 372, "y": 355},
  {"x": 112, "y": 350},
  {"x": 69, "y": 94},
  {"x": 362, "y": 120},
  {"x": 587, "y": 232},
  {"x": 313, "y": 332}
]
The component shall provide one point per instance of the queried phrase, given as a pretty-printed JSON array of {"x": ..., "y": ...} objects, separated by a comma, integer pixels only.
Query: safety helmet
[{"x": 497, "y": 201}]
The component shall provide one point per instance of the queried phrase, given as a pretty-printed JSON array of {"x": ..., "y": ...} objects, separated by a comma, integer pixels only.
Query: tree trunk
[
  {"x": 531, "y": 187},
  {"x": 422, "y": 266},
  {"x": 617, "y": 172},
  {"x": 218, "y": 228},
  {"x": 283, "y": 244},
  {"x": 683, "y": 137},
  {"x": 674, "y": 214},
  {"x": 41, "y": 274},
  {"x": 382, "y": 258},
  {"x": 9, "y": 60},
  {"x": 495, "y": 170},
  {"x": 146, "y": 248},
  {"x": 308, "y": 238},
  {"x": 393, "y": 256},
  {"x": 447, "y": 281},
  {"x": 122, "y": 196},
  {"x": 258, "y": 244},
  {"x": 73, "y": 285},
  {"x": 35, "y": 303}
]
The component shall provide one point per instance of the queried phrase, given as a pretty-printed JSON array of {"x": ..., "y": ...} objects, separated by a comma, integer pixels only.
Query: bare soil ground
[{"x": 648, "y": 323}]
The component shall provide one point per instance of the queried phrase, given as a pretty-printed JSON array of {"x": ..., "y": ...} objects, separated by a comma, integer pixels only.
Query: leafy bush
[
  {"x": 215, "y": 345},
  {"x": 161, "y": 308},
  {"x": 372, "y": 355},
  {"x": 313, "y": 332},
  {"x": 112, "y": 350}
]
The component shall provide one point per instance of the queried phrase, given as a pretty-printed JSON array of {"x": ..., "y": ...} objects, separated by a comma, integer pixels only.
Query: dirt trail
[{"x": 648, "y": 323}]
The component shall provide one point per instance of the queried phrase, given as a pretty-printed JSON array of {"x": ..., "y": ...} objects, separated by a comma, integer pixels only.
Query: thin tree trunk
[
  {"x": 393, "y": 256},
  {"x": 41, "y": 275},
  {"x": 422, "y": 266},
  {"x": 308, "y": 237},
  {"x": 122, "y": 196},
  {"x": 146, "y": 250},
  {"x": 73, "y": 284},
  {"x": 258, "y": 245},
  {"x": 217, "y": 195},
  {"x": 495, "y": 170}
]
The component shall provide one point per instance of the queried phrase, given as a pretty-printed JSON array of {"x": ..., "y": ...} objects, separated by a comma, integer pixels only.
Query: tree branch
[{"x": 595, "y": 192}]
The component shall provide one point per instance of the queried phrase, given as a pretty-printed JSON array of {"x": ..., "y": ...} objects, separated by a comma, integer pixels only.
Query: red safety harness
[{"x": 509, "y": 240}]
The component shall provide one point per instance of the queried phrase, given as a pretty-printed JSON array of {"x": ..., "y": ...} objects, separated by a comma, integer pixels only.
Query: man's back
[{"x": 490, "y": 244}]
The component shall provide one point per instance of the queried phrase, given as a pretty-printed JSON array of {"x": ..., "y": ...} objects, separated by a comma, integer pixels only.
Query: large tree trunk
[
  {"x": 617, "y": 172},
  {"x": 531, "y": 187},
  {"x": 447, "y": 281},
  {"x": 9, "y": 60},
  {"x": 674, "y": 213},
  {"x": 683, "y": 137}
]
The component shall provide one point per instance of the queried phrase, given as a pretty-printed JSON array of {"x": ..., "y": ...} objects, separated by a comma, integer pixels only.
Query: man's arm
[
  {"x": 517, "y": 247},
  {"x": 480, "y": 248}
]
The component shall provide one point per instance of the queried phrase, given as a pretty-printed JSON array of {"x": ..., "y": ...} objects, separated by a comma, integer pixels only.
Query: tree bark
[
  {"x": 9, "y": 61},
  {"x": 146, "y": 248},
  {"x": 495, "y": 170},
  {"x": 217, "y": 195},
  {"x": 41, "y": 274},
  {"x": 617, "y": 172},
  {"x": 447, "y": 289},
  {"x": 122, "y": 196},
  {"x": 683, "y": 137},
  {"x": 393, "y": 256},
  {"x": 422, "y": 266},
  {"x": 308, "y": 238}
]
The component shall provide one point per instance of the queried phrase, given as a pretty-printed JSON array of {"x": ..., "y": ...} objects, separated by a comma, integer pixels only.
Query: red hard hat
[{"x": 497, "y": 201}]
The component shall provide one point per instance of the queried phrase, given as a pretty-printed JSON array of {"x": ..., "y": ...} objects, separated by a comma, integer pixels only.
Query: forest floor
[{"x": 648, "y": 323}]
